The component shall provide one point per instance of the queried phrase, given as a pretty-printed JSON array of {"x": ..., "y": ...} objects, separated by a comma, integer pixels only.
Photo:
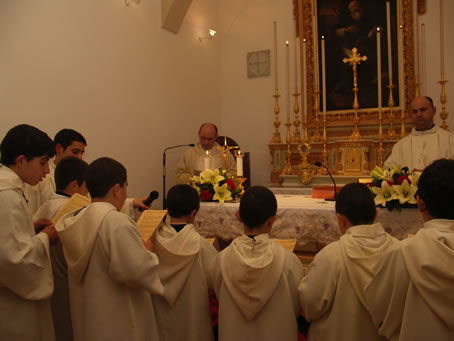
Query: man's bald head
[
  {"x": 208, "y": 133},
  {"x": 422, "y": 112}
]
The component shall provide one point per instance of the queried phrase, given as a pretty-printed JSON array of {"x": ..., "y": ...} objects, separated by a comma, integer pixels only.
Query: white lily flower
[
  {"x": 222, "y": 193},
  {"x": 405, "y": 192},
  {"x": 383, "y": 194}
]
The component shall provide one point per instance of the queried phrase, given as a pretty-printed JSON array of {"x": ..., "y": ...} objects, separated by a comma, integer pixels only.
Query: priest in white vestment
[
  {"x": 331, "y": 293},
  {"x": 185, "y": 257},
  {"x": 25, "y": 270},
  {"x": 411, "y": 297},
  {"x": 255, "y": 279},
  {"x": 111, "y": 271},
  {"x": 68, "y": 142},
  {"x": 426, "y": 143},
  {"x": 193, "y": 161}
]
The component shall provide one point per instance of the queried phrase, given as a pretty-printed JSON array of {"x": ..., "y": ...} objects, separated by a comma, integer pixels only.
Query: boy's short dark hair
[
  {"x": 103, "y": 174},
  {"x": 356, "y": 202},
  {"x": 25, "y": 140},
  {"x": 66, "y": 137},
  {"x": 69, "y": 169},
  {"x": 182, "y": 200},
  {"x": 436, "y": 188},
  {"x": 257, "y": 205}
]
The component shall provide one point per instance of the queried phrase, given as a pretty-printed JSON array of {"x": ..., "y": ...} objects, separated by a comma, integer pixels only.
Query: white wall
[
  {"x": 110, "y": 72},
  {"x": 133, "y": 89},
  {"x": 247, "y": 105}
]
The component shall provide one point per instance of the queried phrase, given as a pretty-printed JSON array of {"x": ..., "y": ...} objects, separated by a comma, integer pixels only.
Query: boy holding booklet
[
  {"x": 255, "y": 279},
  {"x": 183, "y": 311},
  {"x": 111, "y": 271}
]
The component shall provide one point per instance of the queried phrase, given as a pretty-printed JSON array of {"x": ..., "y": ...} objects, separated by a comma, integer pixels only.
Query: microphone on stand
[
  {"x": 319, "y": 164},
  {"x": 153, "y": 196},
  {"x": 164, "y": 170}
]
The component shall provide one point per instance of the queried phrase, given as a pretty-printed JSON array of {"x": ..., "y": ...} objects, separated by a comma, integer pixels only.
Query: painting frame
[{"x": 303, "y": 11}]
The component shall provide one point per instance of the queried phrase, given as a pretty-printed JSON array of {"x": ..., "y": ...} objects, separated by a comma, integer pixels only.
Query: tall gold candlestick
[
  {"x": 296, "y": 135},
  {"x": 276, "y": 138},
  {"x": 392, "y": 135},
  {"x": 316, "y": 135},
  {"x": 288, "y": 170},
  {"x": 381, "y": 151},
  {"x": 443, "y": 100}
]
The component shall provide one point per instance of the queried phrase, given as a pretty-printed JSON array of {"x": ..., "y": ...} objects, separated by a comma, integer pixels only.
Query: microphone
[
  {"x": 153, "y": 196},
  {"x": 180, "y": 145},
  {"x": 319, "y": 164}
]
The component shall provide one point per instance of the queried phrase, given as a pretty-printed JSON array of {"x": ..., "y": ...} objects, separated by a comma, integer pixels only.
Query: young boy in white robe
[
  {"x": 412, "y": 294},
  {"x": 331, "y": 293},
  {"x": 183, "y": 313},
  {"x": 69, "y": 180},
  {"x": 25, "y": 269},
  {"x": 255, "y": 279},
  {"x": 111, "y": 271},
  {"x": 68, "y": 142}
]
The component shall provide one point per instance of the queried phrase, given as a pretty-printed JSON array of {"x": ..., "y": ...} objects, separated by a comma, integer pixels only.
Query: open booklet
[
  {"x": 149, "y": 221},
  {"x": 74, "y": 203},
  {"x": 288, "y": 244}
]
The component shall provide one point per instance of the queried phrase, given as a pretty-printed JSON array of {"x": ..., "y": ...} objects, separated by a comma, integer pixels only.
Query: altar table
[{"x": 312, "y": 222}]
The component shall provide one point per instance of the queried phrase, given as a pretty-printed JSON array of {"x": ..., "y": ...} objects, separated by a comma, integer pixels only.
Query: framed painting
[{"x": 346, "y": 24}]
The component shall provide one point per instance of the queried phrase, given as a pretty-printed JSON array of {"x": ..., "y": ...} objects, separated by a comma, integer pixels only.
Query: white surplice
[
  {"x": 25, "y": 269},
  {"x": 183, "y": 313},
  {"x": 331, "y": 293},
  {"x": 192, "y": 162},
  {"x": 37, "y": 195},
  {"x": 421, "y": 148},
  {"x": 412, "y": 294},
  {"x": 256, "y": 283},
  {"x": 111, "y": 275}
]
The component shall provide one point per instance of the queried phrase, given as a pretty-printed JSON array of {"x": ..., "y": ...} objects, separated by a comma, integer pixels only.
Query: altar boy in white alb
[
  {"x": 111, "y": 271},
  {"x": 25, "y": 271},
  {"x": 183, "y": 313},
  {"x": 69, "y": 180},
  {"x": 331, "y": 293},
  {"x": 411, "y": 297},
  {"x": 426, "y": 143},
  {"x": 255, "y": 279}
]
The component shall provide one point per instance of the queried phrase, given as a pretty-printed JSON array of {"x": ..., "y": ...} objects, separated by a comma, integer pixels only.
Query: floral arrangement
[
  {"x": 394, "y": 187},
  {"x": 216, "y": 185}
]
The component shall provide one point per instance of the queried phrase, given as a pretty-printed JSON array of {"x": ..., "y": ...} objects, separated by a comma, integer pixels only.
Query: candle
[
  {"x": 324, "y": 76},
  {"x": 296, "y": 57},
  {"x": 388, "y": 27},
  {"x": 422, "y": 71},
  {"x": 275, "y": 55},
  {"x": 288, "y": 80},
  {"x": 239, "y": 164},
  {"x": 379, "y": 70},
  {"x": 442, "y": 38},
  {"x": 206, "y": 160},
  {"x": 304, "y": 82},
  {"x": 402, "y": 83},
  {"x": 415, "y": 13}
]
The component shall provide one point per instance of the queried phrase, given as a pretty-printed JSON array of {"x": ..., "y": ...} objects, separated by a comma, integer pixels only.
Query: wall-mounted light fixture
[
  {"x": 129, "y": 2},
  {"x": 211, "y": 34}
]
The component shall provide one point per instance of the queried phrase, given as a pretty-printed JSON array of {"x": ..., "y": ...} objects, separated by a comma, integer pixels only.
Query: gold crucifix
[
  {"x": 225, "y": 149},
  {"x": 354, "y": 60}
]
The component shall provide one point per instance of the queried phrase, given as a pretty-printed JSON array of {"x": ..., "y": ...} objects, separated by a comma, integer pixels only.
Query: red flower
[
  {"x": 401, "y": 179},
  {"x": 371, "y": 184},
  {"x": 206, "y": 195},
  {"x": 230, "y": 184}
]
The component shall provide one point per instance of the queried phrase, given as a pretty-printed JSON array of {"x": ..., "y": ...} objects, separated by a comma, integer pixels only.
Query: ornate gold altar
[{"x": 348, "y": 141}]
